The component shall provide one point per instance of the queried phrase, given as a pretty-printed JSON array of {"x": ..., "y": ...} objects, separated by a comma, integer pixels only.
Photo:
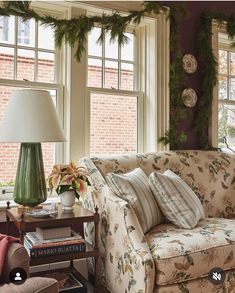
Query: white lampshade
[{"x": 31, "y": 117}]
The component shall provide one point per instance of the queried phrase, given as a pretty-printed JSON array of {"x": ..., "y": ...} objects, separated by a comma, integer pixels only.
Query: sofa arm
[
  {"x": 17, "y": 256},
  {"x": 125, "y": 262},
  {"x": 128, "y": 261},
  {"x": 32, "y": 285}
]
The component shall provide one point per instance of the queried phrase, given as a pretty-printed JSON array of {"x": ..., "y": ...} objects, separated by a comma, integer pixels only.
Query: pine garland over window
[{"x": 74, "y": 32}]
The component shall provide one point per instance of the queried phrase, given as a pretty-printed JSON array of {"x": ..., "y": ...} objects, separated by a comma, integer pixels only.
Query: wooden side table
[{"x": 25, "y": 223}]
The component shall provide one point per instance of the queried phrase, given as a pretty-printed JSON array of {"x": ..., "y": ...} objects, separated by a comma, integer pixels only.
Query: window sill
[{"x": 56, "y": 199}]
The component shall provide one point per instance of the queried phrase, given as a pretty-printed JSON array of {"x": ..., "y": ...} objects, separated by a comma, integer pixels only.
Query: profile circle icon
[
  {"x": 18, "y": 276},
  {"x": 216, "y": 276}
]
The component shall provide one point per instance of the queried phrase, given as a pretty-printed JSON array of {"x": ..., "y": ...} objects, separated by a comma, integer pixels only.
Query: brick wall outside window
[{"x": 113, "y": 119}]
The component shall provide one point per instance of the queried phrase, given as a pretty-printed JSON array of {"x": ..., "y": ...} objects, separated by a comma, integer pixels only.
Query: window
[
  {"x": 113, "y": 96},
  {"x": 114, "y": 79},
  {"x": 27, "y": 61},
  {"x": 4, "y": 28},
  {"x": 226, "y": 112},
  {"x": 223, "y": 114}
]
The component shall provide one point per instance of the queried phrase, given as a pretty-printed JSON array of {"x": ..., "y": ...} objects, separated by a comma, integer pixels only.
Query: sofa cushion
[
  {"x": 182, "y": 255},
  {"x": 179, "y": 204},
  {"x": 134, "y": 188}
]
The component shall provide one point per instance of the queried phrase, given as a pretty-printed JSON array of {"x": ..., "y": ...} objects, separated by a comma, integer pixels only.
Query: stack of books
[{"x": 53, "y": 241}]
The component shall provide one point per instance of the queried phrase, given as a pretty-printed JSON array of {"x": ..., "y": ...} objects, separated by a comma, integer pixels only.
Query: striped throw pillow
[
  {"x": 177, "y": 201},
  {"x": 134, "y": 188}
]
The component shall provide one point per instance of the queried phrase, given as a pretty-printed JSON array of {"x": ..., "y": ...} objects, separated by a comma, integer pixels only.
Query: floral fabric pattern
[
  {"x": 133, "y": 262},
  {"x": 182, "y": 255}
]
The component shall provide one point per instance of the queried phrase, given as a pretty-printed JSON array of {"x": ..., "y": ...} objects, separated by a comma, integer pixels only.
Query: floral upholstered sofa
[{"x": 167, "y": 258}]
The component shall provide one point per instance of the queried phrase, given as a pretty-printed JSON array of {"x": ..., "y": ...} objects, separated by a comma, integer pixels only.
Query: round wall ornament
[
  {"x": 189, "y": 63},
  {"x": 189, "y": 97}
]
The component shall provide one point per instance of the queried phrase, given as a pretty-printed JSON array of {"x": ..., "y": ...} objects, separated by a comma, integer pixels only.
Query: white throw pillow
[
  {"x": 134, "y": 188},
  {"x": 177, "y": 201}
]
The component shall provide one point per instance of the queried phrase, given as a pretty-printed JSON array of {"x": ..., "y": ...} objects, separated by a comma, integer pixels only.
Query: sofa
[
  {"x": 17, "y": 257},
  {"x": 166, "y": 259}
]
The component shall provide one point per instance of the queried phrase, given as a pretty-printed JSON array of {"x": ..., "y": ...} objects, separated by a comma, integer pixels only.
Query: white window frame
[
  {"x": 214, "y": 127},
  {"x": 153, "y": 79}
]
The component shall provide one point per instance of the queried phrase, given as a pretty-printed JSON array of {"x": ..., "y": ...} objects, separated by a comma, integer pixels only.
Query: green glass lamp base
[{"x": 30, "y": 184}]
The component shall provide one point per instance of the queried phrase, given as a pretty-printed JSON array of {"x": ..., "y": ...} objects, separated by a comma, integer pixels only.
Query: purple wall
[{"x": 188, "y": 44}]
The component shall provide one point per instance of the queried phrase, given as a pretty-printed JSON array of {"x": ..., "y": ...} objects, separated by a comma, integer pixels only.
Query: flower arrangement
[{"x": 68, "y": 177}]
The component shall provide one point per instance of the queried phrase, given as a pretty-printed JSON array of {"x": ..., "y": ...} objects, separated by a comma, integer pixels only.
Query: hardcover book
[
  {"x": 36, "y": 240},
  {"x": 53, "y": 244},
  {"x": 54, "y": 250},
  {"x": 52, "y": 233}
]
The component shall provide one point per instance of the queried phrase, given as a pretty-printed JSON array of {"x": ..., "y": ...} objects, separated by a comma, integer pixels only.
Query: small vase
[{"x": 67, "y": 199}]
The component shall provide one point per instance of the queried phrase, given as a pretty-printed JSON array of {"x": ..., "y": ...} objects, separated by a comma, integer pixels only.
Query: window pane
[
  {"x": 232, "y": 89},
  {"x": 48, "y": 148},
  {"x": 223, "y": 62},
  {"x": 113, "y": 124},
  {"x": 94, "y": 47},
  {"x": 46, "y": 37},
  {"x": 223, "y": 87},
  {"x": 111, "y": 74},
  {"x": 111, "y": 48},
  {"x": 7, "y": 32},
  {"x": 6, "y": 62},
  {"x": 26, "y": 32},
  {"x": 94, "y": 72},
  {"x": 226, "y": 126},
  {"x": 25, "y": 64},
  {"x": 46, "y": 67},
  {"x": 127, "y": 75},
  {"x": 232, "y": 63},
  {"x": 9, "y": 152},
  {"x": 127, "y": 50}
]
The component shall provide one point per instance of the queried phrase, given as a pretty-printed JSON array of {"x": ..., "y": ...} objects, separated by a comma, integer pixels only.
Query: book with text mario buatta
[{"x": 66, "y": 247}]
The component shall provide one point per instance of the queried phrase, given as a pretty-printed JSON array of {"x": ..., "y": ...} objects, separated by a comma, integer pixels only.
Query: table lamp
[{"x": 30, "y": 119}]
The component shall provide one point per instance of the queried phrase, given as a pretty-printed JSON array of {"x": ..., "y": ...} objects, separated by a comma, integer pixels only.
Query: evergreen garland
[
  {"x": 209, "y": 71},
  {"x": 175, "y": 137},
  {"x": 74, "y": 31}
]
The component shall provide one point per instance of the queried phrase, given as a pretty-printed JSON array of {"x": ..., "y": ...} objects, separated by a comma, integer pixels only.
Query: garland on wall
[
  {"x": 209, "y": 68},
  {"x": 176, "y": 137}
]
